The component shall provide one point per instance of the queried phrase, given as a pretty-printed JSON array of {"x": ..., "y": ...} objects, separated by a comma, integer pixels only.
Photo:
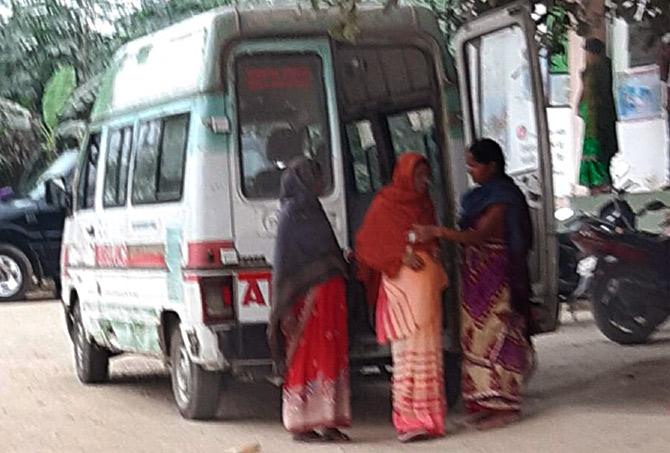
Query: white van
[{"x": 168, "y": 251}]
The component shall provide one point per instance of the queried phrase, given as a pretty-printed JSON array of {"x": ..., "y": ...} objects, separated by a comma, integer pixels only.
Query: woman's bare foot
[
  {"x": 335, "y": 435},
  {"x": 497, "y": 420},
  {"x": 308, "y": 437}
]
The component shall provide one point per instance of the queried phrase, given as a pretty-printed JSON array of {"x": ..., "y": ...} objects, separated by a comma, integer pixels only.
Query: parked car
[{"x": 31, "y": 229}]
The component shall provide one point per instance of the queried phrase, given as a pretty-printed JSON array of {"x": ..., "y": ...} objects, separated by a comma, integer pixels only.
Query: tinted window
[
  {"x": 365, "y": 159},
  {"x": 88, "y": 173},
  {"x": 159, "y": 162},
  {"x": 282, "y": 115},
  {"x": 116, "y": 167},
  {"x": 171, "y": 168},
  {"x": 112, "y": 168}
]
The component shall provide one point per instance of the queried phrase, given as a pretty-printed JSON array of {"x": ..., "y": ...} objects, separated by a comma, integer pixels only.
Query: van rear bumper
[{"x": 247, "y": 353}]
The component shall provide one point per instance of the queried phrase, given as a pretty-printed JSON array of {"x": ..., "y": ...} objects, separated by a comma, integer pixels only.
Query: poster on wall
[
  {"x": 638, "y": 94},
  {"x": 561, "y": 135}
]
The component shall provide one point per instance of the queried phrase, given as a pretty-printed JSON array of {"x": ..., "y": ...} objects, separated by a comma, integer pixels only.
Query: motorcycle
[
  {"x": 631, "y": 280},
  {"x": 576, "y": 268}
]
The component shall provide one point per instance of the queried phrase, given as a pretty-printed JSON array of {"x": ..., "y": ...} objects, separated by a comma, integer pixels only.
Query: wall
[
  {"x": 643, "y": 157},
  {"x": 644, "y": 145}
]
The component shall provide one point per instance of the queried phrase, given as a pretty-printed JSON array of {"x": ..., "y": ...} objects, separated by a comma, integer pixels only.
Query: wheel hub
[
  {"x": 625, "y": 315},
  {"x": 11, "y": 277}
]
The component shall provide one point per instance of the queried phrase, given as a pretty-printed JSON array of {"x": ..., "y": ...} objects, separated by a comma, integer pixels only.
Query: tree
[
  {"x": 41, "y": 35},
  {"x": 153, "y": 15},
  {"x": 553, "y": 17}
]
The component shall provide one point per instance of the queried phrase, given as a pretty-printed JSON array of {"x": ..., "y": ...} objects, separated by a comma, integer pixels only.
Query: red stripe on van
[
  {"x": 124, "y": 256},
  {"x": 147, "y": 256},
  {"x": 111, "y": 256},
  {"x": 262, "y": 275},
  {"x": 207, "y": 254}
]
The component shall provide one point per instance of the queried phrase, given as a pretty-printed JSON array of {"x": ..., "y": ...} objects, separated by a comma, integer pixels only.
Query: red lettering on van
[
  {"x": 253, "y": 294},
  {"x": 278, "y": 78}
]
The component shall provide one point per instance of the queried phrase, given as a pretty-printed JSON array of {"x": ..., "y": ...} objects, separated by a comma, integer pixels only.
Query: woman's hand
[
  {"x": 420, "y": 234},
  {"x": 413, "y": 261},
  {"x": 349, "y": 255}
]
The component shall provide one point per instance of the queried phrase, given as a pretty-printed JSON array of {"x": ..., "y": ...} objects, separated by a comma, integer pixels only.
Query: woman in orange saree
[{"x": 407, "y": 285}]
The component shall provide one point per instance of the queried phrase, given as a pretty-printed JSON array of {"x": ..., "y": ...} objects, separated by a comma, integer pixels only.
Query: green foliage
[
  {"x": 153, "y": 15},
  {"x": 56, "y": 95},
  {"x": 42, "y": 35}
]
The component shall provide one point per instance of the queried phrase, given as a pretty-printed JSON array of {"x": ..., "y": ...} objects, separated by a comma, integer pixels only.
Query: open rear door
[{"x": 503, "y": 99}]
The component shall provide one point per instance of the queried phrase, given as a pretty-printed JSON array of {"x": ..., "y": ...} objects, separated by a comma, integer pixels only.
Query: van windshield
[{"x": 282, "y": 115}]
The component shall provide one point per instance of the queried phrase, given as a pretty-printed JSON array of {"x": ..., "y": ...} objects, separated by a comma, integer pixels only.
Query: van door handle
[{"x": 90, "y": 230}]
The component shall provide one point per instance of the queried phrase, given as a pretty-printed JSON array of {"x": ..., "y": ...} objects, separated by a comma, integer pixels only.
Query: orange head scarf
[{"x": 382, "y": 239}]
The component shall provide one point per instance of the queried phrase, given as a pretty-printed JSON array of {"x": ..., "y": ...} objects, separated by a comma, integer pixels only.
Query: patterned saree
[{"x": 493, "y": 335}]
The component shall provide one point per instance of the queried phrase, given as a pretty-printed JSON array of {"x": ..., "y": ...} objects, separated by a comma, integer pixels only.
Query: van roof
[{"x": 183, "y": 59}]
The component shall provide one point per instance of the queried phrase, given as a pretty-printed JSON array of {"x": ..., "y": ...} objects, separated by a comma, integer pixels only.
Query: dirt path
[{"x": 589, "y": 395}]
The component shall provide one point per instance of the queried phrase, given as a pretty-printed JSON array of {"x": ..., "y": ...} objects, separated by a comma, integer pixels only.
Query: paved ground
[{"x": 589, "y": 395}]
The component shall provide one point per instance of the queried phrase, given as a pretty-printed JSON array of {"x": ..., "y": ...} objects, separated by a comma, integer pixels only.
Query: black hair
[
  {"x": 486, "y": 151},
  {"x": 595, "y": 46}
]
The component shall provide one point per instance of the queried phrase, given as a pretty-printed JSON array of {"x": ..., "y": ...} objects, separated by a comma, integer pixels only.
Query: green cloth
[
  {"x": 593, "y": 172},
  {"x": 599, "y": 114}
]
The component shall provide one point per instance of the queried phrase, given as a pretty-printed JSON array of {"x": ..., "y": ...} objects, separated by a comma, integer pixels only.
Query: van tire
[
  {"x": 14, "y": 257},
  {"x": 91, "y": 361},
  {"x": 196, "y": 390}
]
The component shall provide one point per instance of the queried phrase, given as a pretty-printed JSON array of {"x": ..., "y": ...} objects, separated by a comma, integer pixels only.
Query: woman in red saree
[
  {"x": 308, "y": 319},
  {"x": 496, "y": 324},
  {"x": 407, "y": 285}
]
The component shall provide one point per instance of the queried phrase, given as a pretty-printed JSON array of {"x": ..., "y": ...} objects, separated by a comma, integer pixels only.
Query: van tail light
[{"x": 216, "y": 295}]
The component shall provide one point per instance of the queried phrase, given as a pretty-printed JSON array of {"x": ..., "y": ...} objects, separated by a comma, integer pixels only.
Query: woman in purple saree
[{"x": 496, "y": 324}]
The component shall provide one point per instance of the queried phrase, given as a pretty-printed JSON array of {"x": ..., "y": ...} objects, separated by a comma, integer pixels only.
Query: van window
[
  {"x": 88, "y": 173},
  {"x": 116, "y": 167},
  {"x": 364, "y": 156},
  {"x": 282, "y": 114},
  {"x": 159, "y": 160},
  {"x": 501, "y": 91},
  {"x": 412, "y": 131}
]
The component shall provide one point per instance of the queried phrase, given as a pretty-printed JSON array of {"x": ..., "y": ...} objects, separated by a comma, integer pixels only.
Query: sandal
[
  {"x": 335, "y": 435},
  {"x": 308, "y": 437}
]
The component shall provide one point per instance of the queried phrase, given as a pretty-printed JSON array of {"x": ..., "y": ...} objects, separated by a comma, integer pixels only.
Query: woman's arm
[{"x": 490, "y": 226}]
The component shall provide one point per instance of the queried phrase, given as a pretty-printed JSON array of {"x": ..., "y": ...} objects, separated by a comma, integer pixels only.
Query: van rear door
[
  {"x": 284, "y": 107},
  {"x": 503, "y": 99}
]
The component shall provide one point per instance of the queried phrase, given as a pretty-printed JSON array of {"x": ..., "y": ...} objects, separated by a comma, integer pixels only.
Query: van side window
[
  {"x": 116, "y": 167},
  {"x": 159, "y": 160},
  {"x": 364, "y": 157},
  {"x": 88, "y": 173},
  {"x": 282, "y": 112}
]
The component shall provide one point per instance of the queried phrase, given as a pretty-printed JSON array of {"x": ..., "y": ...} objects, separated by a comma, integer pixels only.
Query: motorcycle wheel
[{"x": 626, "y": 322}]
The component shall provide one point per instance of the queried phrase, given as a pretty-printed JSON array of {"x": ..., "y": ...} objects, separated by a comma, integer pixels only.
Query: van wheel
[
  {"x": 91, "y": 361},
  {"x": 16, "y": 273},
  {"x": 196, "y": 390}
]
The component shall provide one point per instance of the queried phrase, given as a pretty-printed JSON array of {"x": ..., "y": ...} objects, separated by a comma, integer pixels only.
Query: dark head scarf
[{"x": 306, "y": 251}]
